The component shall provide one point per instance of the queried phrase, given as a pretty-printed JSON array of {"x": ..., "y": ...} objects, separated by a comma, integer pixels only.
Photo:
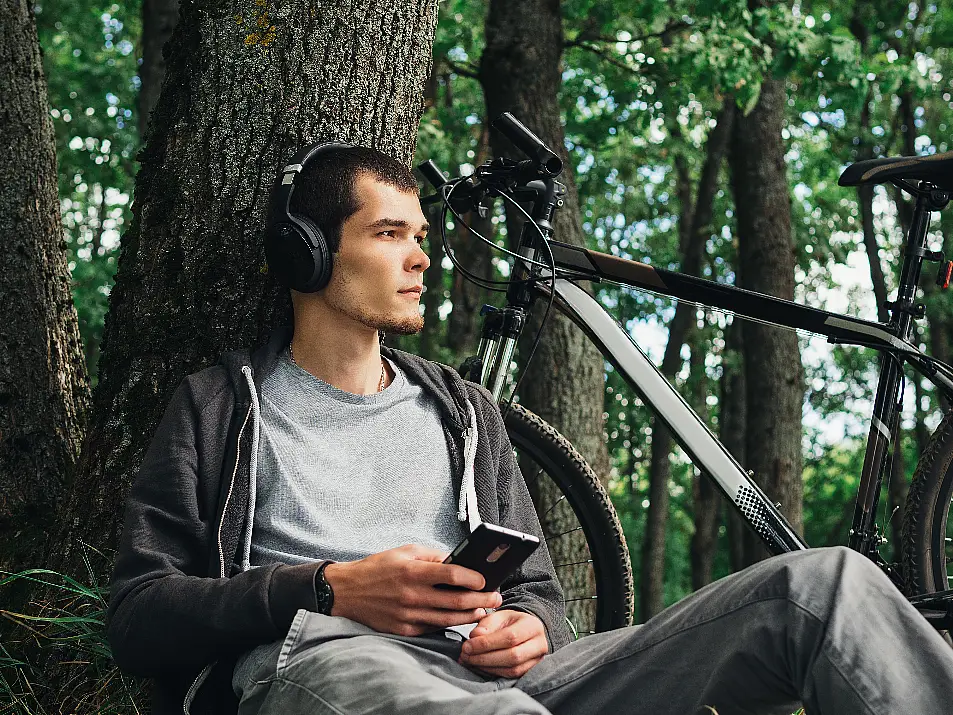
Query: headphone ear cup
[
  {"x": 298, "y": 255},
  {"x": 320, "y": 255}
]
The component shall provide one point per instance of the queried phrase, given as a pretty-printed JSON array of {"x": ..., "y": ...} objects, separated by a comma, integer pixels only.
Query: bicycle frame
[{"x": 703, "y": 447}]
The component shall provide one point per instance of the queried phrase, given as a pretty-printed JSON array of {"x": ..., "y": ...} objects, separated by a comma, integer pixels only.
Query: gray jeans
[{"x": 823, "y": 627}]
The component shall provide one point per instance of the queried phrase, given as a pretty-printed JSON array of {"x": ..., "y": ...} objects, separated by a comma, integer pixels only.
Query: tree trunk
[
  {"x": 158, "y": 20},
  {"x": 732, "y": 418},
  {"x": 44, "y": 390},
  {"x": 246, "y": 87},
  {"x": 694, "y": 232},
  {"x": 433, "y": 292},
  {"x": 766, "y": 250},
  {"x": 705, "y": 497},
  {"x": 463, "y": 328},
  {"x": 520, "y": 73},
  {"x": 897, "y": 495}
]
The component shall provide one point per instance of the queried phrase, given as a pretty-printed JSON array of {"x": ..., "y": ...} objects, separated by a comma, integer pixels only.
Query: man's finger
[
  {"x": 498, "y": 631},
  {"x": 516, "y": 671},
  {"x": 506, "y": 657}
]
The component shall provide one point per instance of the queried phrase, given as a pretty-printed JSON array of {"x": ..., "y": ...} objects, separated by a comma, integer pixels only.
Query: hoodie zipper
[{"x": 203, "y": 674}]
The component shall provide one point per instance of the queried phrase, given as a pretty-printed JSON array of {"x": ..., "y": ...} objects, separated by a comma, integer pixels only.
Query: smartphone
[{"x": 494, "y": 551}]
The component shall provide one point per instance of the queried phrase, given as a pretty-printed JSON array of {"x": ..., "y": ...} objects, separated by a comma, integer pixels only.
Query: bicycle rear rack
[{"x": 937, "y": 608}]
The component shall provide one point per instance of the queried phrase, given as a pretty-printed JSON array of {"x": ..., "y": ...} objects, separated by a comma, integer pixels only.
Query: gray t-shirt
[{"x": 342, "y": 476}]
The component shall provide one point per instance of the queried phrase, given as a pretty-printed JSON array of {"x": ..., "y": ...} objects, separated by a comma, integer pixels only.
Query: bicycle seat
[{"x": 935, "y": 168}]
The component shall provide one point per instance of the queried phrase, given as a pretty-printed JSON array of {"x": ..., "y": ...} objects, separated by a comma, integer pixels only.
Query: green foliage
[{"x": 90, "y": 60}]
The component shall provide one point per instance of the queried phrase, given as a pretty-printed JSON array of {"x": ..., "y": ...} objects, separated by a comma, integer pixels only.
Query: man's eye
[
  {"x": 389, "y": 232},
  {"x": 421, "y": 239}
]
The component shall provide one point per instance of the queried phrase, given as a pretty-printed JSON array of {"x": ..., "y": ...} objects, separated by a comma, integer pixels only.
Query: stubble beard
[{"x": 390, "y": 324}]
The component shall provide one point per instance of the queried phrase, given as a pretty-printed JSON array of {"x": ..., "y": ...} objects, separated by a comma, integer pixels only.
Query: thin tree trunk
[
  {"x": 733, "y": 410},
  {"x": 897, "y": 495},
  {"x": 158, "y": 20},
  {"x": 44, "y": 390},
  {"x": 190, "y": 282},
  {"x": 520, "y": 73},
  {"x": 433, "y": 293},
  {"x": 694, "y": 232},
  {"x": 463, "y": 328},
  {"x": 705, "y": 497},
  {"x": 773, "y": 369}
]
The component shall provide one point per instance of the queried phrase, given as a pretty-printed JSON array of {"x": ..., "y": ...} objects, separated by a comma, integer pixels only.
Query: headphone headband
[{"x": 296, "y": 249}]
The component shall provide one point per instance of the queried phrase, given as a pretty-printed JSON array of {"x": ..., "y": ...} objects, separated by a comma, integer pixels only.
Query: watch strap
[{"x": 323, "y": 593}]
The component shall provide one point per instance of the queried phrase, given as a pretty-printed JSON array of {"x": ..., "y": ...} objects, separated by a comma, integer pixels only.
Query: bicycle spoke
[
  {"x": 573, "y": 563},
  {"x": 535, "y": 477},
  {"x": 555, "y": 504},
  {"x": 550, "y": 538}
]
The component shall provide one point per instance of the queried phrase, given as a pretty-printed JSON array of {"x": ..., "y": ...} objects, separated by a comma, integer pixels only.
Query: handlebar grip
[
  {"x": 432, "y": 174},
  {"x": 527, "y": 142}
]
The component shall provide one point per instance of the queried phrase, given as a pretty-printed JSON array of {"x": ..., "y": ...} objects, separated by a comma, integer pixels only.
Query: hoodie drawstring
[
  {"x": 253, "y": 469},
  {"x": 467, "y": 506}
]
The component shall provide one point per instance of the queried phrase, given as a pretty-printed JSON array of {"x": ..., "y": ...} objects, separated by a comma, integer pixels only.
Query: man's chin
[{"x": 410, "y": 326}]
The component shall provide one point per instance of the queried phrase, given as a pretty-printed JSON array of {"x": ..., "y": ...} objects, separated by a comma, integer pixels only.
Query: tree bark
[
  {"x": 246, "y": 86},
  {"x": 44, "y": 390},
  {"x": 158, "y": 20},
  {"x": 773, "y": 370},
  {"x": 705, "y": 497},
  {"x": 463, "y": 327},
  {"x": 433, "y": 292},
  {"x": 694, "y": 233},
  {"x": 732, "y": 418},
  {"x": 520, "y": 73},
  {"x": 464, "y": 321},
  {"x": 897, "y": 495},
  {"x": 865, "y": 195}
]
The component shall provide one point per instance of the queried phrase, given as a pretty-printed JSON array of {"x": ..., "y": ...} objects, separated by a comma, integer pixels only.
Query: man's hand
[
  {"x": 506, "y": 643},
  {"x": 393, "y": 591}
]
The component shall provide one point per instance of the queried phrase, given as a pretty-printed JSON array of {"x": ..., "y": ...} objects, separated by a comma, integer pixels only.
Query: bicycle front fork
[{"x": 493, "y": 363}]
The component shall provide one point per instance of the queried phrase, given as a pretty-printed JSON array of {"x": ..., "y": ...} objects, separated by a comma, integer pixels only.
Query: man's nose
[{"x": 420, "y": 259}]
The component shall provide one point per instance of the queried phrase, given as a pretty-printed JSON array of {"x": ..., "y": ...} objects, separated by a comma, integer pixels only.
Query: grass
[{"x": 58, "y": 653}]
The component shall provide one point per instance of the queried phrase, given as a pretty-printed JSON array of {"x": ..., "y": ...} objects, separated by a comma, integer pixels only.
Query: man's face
[{"x": 379, "y": 256}]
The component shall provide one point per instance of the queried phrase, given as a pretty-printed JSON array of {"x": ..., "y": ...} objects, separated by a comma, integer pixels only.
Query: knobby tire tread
[
  {"x": 930, "y": 485},
  {"x": 596, "y": 514}
]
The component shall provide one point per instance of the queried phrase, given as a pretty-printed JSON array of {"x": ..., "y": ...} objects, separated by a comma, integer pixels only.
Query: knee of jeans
[{"x": 828, "y": 577}]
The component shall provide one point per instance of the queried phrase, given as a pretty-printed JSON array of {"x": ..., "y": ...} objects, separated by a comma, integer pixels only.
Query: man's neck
[{"x": 347, "y": 357}]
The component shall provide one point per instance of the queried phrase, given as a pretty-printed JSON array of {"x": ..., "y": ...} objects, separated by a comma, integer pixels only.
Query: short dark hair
[{"x": 324, "y": 192}]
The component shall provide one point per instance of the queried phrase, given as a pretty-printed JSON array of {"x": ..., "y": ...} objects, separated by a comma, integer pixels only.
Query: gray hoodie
[{"x": 181, "y": 607}]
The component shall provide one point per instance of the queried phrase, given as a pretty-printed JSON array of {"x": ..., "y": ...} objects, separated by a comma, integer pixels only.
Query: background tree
[
  {"x": 44, "y": 389},
  {"x": 158, "y": 20},
  {"x": 520, "y": 73},
  {"x": 190, "y": 282}
]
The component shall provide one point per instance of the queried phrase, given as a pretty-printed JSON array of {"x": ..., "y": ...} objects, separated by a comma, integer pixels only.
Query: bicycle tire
[
  {"x": 606, "y": 569},
  {"x": 927, "y": 531}
]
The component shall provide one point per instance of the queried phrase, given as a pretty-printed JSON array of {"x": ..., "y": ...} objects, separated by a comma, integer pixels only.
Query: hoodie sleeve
[
  {"x": 164, "y": 614},
  {"x": 534, "y": 587}
]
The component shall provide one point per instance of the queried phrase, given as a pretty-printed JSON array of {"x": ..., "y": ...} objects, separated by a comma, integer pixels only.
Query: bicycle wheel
[
  {"x": 927, "y": 530},
  {"x": 581, "y": 528}
]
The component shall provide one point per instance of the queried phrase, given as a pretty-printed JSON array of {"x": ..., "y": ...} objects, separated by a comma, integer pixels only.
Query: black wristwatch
[{"x": 323, "y": 593}]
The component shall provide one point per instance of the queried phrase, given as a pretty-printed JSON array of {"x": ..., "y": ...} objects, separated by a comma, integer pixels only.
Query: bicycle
[{"x": 922, "y": 575}]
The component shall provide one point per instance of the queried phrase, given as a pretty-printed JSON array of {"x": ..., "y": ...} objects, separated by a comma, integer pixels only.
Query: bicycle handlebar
[
  {"x": 528, "y": 143},
  {"x": 500, "y": 173}
]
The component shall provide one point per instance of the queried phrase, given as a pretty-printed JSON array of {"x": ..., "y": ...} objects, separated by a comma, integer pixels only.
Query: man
[{"x": 286, "y": 531}]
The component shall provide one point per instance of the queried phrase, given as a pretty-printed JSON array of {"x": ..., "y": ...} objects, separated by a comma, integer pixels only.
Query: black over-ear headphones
[{"x": 295, "y": 247}]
